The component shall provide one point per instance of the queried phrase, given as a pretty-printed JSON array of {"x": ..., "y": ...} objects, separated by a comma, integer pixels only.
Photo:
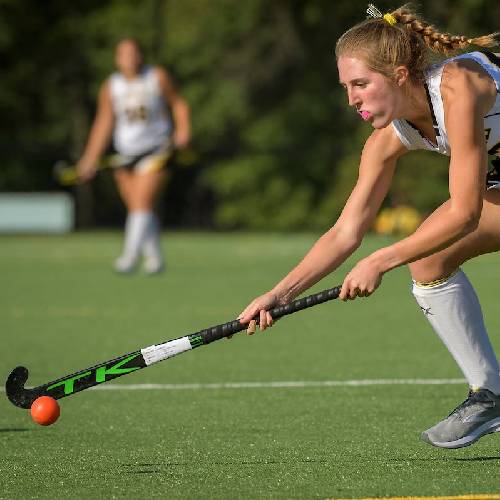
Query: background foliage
[{"x": 279, "y": 146}]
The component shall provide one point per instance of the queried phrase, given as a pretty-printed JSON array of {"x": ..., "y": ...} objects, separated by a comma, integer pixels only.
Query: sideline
[{"x": 487, "y": 496}]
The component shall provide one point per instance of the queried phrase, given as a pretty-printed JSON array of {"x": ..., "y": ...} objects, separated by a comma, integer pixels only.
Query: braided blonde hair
[{"x": 410, "y": 42}]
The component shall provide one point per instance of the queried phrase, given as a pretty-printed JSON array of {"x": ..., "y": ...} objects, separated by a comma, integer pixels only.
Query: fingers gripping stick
[
  {"x": 128, "y": 363},
  {"x": 228, "y": 329}
]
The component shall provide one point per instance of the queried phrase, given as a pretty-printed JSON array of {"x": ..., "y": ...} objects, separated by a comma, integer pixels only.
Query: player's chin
[{"x": 380, "y": 123}]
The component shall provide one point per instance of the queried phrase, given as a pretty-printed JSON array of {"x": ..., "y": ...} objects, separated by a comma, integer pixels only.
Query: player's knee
[{"x": 429, "y": 269}]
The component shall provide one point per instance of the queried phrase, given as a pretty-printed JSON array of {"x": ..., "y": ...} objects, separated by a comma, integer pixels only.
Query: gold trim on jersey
[{"x": 152, "y": 163}]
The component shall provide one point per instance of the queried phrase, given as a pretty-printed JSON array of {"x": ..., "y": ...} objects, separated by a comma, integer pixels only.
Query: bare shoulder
[
  {"x": 465, "y": 80},
  {"x": 105, "y": 89},
  {"x": 384, "y": 144},
  {"x": 106, "y": 84},
  {"x": 161, "y": 73}
]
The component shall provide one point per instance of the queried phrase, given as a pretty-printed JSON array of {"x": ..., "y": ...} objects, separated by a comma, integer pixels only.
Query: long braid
[{"x": 443, "y": 43}]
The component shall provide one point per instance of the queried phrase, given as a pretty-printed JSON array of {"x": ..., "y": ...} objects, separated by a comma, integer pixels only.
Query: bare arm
[
  {"x": 179, "y": 107},
  {"x": 378, "y": 162},
  {"x": 466, "y": 99},
  {"x": 100, "y": 134}
]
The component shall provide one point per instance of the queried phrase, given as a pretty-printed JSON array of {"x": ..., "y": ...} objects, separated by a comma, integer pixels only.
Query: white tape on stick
[{"x": 159, "y": 352}]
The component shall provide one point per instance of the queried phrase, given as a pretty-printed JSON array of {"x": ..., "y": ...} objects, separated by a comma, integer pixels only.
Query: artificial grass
[{"x": 63, "y": 309}]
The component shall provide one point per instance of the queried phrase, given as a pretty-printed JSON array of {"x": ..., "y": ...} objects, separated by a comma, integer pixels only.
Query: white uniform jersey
[
  {"x": 142, "y": 121},
  {"x": 412, "y": 138}
]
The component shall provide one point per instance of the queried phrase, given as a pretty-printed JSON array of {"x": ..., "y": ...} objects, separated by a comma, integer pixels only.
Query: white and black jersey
[
  {"x": 142, "y": 120},
  {"x": 413, "y": 139}
]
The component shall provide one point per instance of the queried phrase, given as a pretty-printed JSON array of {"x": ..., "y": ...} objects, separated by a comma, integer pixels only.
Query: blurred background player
[
  {"x": 452, "y": 108},
  {"x": 140, "y": 107}
]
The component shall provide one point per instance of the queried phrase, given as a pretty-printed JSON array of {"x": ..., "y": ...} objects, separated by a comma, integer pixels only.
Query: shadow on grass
[
  {"x": 143, "y": 468},
  {"x": 446, "y": 459},
  {"x": 147, "y": 468},
  {"x": 15, "y": 429},
  {"x": 476, "y": 459},
  {"x": 146, "y": 471}
]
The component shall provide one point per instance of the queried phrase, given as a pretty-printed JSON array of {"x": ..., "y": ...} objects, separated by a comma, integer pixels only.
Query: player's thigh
[
  {"x": 124, "y": 181},
  {"x": 484, "y": 239},
  {"x": 145, "y": 188}
]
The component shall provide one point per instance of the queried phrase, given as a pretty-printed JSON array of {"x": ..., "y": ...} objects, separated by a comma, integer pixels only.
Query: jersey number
[{"x": 137, "y": 114}]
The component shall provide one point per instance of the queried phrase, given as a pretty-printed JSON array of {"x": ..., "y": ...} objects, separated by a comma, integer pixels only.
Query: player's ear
[{"x": 401, "y": 75}]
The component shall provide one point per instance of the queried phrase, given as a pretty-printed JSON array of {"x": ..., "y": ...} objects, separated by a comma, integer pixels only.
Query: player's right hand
[
  {"x": 259, "y": 306},
  {"x": 181, "y": 138}
]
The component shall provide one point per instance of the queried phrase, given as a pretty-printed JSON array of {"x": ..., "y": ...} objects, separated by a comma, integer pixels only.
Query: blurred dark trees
[{"x": 278, "y": 145}]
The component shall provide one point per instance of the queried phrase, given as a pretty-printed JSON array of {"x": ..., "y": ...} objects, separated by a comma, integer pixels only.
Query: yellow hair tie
[
  {"x": 373, "y": 12},
  {"x": 390, "y": 19}
]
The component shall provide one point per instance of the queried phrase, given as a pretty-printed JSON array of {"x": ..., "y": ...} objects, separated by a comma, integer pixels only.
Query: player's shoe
[
  {"x": 125, "y": 264},
  {"x": 153, "y": 265},
  {"x": 477, "y": 416}
]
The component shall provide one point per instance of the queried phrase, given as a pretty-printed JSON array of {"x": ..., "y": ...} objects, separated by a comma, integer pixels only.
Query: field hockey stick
[
  {"x": 66, "y": 174},
  {"x": 131, "y": 362}
]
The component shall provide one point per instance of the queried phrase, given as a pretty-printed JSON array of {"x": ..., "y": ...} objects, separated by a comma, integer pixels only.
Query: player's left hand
[{"x": 362, "y": 280}]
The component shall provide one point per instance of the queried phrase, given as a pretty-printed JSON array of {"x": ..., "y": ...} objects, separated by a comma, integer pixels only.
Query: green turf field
[{"x": 62, "y": 309}]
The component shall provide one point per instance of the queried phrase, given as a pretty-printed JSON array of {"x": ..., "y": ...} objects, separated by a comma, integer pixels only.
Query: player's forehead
[
  {"x": 127, "y": 46},
  {"x": 352, "y": 67}
]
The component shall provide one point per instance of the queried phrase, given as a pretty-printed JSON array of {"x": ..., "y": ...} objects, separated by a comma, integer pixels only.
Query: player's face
[
  {"x": 375, "y": 97},
  {"x": 128, "y": 57}
]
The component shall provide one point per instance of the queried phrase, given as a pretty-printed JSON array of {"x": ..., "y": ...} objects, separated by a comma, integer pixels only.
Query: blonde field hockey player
[{"x": 452, "y": 108}]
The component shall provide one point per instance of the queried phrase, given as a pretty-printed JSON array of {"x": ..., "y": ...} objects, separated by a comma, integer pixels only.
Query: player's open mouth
[{"x": 366, "y": 115}]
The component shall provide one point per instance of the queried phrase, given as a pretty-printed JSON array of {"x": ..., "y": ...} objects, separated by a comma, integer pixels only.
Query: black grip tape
[{"x": 226, "y": 329}]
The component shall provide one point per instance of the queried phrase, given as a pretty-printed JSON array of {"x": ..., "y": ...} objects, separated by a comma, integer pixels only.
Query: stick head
[
  {"x": 64, "y": 173},
  {"x": 18, "y": 395}
]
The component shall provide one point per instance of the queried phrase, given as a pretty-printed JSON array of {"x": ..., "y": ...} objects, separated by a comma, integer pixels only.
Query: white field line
[
  {"x": 298, "y": 384},
  {"x": 277, "y": 385}
]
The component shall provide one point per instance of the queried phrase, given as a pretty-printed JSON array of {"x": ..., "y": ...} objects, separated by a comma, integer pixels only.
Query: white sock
[
  {"x": 453, "y": 310},
  {"x": 136, "y": 228},
  {"x": 151, "y": 244}
]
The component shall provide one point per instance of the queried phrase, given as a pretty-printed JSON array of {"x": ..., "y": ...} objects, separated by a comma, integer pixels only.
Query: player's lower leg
[
  {"x": 453, "y": 310},
  {"x": 151, "y": 248},
  {"x": 136, "y": 228}
]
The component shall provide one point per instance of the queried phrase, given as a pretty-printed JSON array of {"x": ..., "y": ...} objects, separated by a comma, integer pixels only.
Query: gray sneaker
[{"x": 477, "y": 416}]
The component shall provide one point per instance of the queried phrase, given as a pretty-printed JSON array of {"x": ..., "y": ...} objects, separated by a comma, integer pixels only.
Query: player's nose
[{"x": 353, "y": 98}]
